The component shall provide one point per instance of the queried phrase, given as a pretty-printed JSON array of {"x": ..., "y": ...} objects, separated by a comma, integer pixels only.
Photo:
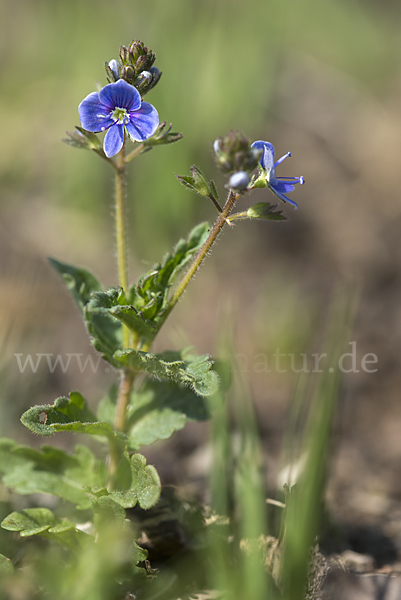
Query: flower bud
[
  {"x": 234, "y": 153},
  {"x": 128, "y": 73},
  {"x": 216, "y": 146},
  {"x": 135, "y": 60},
  {"x": 136, "y": 49},
  {"x": 124, "y": 55},
  {"x": 115, "y": 68},
  {"x": 143, "y": 81},
  {"x": 156, "y": 74},
  {"x": 239, "y": 181}
]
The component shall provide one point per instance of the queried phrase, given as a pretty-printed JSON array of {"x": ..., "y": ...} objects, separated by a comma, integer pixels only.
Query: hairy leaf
[
  {"x": 70, "y": 414},
  {"x": 159, "y": 408},
  {"x": 6, "y": 566},
  {"x": 80, "y": 282},
  {"x": 145, "y": 488},
  {"x": 51, "y": 471},
  {"x": 42, "y": 522},
  {"x": 195, "y": 371},
  {"x": 145, "y": 482},
  {"x": 113, "y": 303},
  {"x": 150, "y": 295}
]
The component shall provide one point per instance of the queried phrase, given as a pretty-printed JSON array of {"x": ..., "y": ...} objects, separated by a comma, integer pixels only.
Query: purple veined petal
[
  {"x": 283, "y": 197},
  {"x": 113, "y": 140},
  {"x": 120, "y": 94},
  {"x": 93, "y": 115},
  {"x": 283, "y": 186},
  {"x": 267, "y": 158},
  {"x": 143, "y": 122}
]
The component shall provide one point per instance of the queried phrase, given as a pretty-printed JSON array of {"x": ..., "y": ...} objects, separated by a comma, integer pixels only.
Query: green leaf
[
  {"x": 42, "y": 522},
  {"x": 6, "y": 566},
  {"x": 264, "y": 210},
  {"x": 80, "y": 282},
  {"x": 107, "y": 508},
  {"x": 70, "y": 414},
  {"x": 159, "y": 409},
  {"x": 195, "y": 371},
  {"x": 113, "y": 303},
  {"x": 150, "y": 295},
  {"x": 145, "y": 482},
  {"x": 51, "y": 470},
  {"x": 145, "y": 488},
  {"x": 106, "y": 332}
]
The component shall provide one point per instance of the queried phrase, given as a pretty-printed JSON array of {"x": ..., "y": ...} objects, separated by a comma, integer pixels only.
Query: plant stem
[
  {"x": 121, "y": 234},
  {"x": 215, "y": 202},
  {"x": 199, "y": 258},
  {"x": 137, "y": 150},
  {"x": 124, "y": 392}
]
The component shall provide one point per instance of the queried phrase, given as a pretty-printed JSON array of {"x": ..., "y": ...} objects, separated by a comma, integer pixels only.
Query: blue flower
[
  {"x": 278, "y": 185},
  {"x": 118, "y": 107}
]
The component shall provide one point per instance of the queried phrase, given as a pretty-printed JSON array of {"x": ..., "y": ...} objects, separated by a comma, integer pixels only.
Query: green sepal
[
  {"x": 162, "y": 137},
  {"x": 193, "y": 371},
  {"x": 42, "y": 522},
  {"x": 213, "y": 189},
  {"x": 51, "y": 470},
  {"x": 6, "y": 566},
  {"x": 262, "y": 210},
  {"x": 261, "y": 181},
  {"x": 86, "y": 140},
  {"x": 196, "y": 182},
  {"x": 80, "y": 282},
  {"x": 265, "y": 210},
  {"x": 70, "y": 414}
]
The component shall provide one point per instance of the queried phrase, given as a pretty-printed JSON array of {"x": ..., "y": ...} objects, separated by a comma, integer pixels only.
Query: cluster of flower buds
[
  {"x": 235, "y": 155},
  {"x": 135, "y": 66}
]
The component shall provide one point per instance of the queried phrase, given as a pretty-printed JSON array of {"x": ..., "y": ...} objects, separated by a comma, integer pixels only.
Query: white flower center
[{"x": 120, "y": 115}]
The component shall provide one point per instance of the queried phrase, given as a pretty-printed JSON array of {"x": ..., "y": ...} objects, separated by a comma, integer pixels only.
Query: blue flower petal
[
  {"x": 282, "y": 197},
  {"x": 267, "y": 158},
  {"x": 282, "y": 186},
  {"x": 113, "y": 140},
  {"x": 93, "y": 115},
  {"x": 143, "y": 122},
  {"x": 120, "y": 94}
]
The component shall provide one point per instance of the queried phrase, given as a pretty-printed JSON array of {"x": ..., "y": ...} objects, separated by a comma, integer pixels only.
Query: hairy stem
[
  {"x": 121, "y": 234},
  {"x": 124, "y": 392},
  {"x": 135, "y": 152},
  {"x": 199, "y": 258},
  {"x": 127, "y": 377}
]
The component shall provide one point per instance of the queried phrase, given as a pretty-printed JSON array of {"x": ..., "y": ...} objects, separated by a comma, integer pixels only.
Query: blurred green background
[{"x": 322, "y": 79}]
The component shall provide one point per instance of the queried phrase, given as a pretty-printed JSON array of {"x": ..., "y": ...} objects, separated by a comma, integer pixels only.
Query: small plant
[{"x": 157, "y": 393}]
